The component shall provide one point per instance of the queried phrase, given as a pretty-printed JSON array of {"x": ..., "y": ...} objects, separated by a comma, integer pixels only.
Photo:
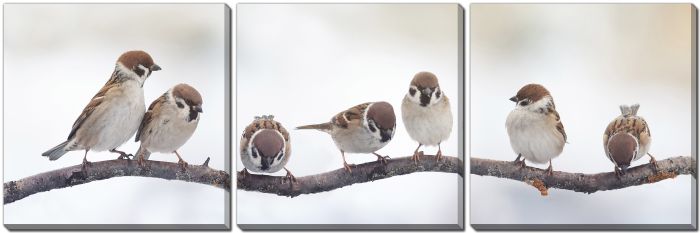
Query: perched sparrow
[
  {"x": 364, "y": 128},
  {"x": 265, "y": 147},
  {"x": 426, "y": 113},
  {"x": 169, "y": 122},
  {"x": 114, "y": 113},
  {"x": 627, "y": 139},
  {"x": 535, "y": 130}
]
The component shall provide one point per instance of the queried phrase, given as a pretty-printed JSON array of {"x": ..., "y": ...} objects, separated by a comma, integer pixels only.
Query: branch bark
[
  {"x": 586, "y": 183},
  {"x": 75, "y": 175},
  {"x": 361, "y": 173}
]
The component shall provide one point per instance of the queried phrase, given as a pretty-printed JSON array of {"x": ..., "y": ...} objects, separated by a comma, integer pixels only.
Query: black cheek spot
[
  {"x": 371, "y": 127},
  {"x": 437, "y": 94},
  {"x": 254, "y": 153},
  {"x": 523, "y": 103},
  {"x": 412, "y": 91},
  {"x": 139, "y": 71},
  {"x": 180, "y": 105}
]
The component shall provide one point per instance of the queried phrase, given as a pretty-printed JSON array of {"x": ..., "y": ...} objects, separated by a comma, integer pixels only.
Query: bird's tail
[
  {"x": 325, "y": 127},
  {"x": 144, "y": 152},
  {"x": 629, "y": 110},
  {"x": 56, "y": 152}
]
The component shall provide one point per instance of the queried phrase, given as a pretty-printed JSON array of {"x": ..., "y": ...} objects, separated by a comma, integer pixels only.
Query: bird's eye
[
  {"x": 524, "y": 102},
  {"x": 180, "y": 105}
]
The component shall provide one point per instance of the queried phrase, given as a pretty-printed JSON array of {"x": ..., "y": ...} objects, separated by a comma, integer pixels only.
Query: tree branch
[
  {"x": 75, "y": 175},
  {"x": 586, "y": 183},
  {"x": 340, "y": 178}
]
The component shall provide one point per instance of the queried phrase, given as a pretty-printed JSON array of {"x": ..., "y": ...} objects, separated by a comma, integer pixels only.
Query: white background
[
  {"x": 58, "y": 56},
  {"x": 465, "y": 4},
  {"x": 592, "y": 58},
  {"x": 305, "y": 63}
]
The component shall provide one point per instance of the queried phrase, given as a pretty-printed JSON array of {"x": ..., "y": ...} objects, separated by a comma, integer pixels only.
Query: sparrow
[
  {"x": 265, "y": 147},
  {"x": 426, "y": 113},
  {"x": 364, "y": 128},
  {"x": 627, "y": 138},
  {"x": 534, "y": 127},
  {"x": 169, "y": 122},
  {"x": 113, "y": 115}
]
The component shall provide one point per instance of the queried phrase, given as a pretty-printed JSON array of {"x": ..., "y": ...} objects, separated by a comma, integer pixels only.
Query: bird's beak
[
  {"x": 514, "y": 99},
  {"x": 198, "y": 109},
  {"x": 155, "y": 67},
  {"x": 426, "y": 91}
]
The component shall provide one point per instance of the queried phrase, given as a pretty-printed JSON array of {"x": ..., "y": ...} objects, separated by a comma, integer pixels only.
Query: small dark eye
[
  {"x": 180, "y": 105},
  {"x": 524, "y": 103}
]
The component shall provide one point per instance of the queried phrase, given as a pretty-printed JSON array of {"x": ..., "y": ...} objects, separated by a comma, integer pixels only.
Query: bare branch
[
  {"x": 75, "y": 175},
  {"x": 340, "y": 178},
  {"x": 586, "y": 183}
]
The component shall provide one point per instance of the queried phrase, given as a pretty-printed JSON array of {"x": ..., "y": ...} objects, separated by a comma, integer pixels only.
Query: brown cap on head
[
  {"x": 622, "y": 147},
  {"x": 188, "y": 93},
  {"x": 383, "y": 115},
  {"x": 132, "y": 59},
  {"x": 425, "y": 80},
  {"x": 534, "y": 92},
  {"x": 268, "y": 142}
]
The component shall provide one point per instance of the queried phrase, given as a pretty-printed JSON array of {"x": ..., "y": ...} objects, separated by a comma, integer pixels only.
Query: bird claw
[
  {"x": 383, "y": 159},
  {"x": 416, "y": 157},
  {"x": 438, "y": 156},
  {"x": 289, "y": 177},
  {"x": 125, "y": 156},
  {"x": 549, "y": 170},
  {"x": 183, "y": 165},
  {"x": 243, "y": 173},
  {"x": 347, "y": 167}
]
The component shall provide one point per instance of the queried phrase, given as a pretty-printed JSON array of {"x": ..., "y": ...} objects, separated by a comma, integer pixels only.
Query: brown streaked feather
[
  {"x": 559, "y": 126},
  {"x": 148, "y": 116},
  {"x": 352, "y": 115},
  {"x": 94, "y": 103},
  {"x": 263, "y": 123}
]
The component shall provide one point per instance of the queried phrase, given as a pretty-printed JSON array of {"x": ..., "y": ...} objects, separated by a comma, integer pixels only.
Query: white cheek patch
[{"x": 416, "y": 96}]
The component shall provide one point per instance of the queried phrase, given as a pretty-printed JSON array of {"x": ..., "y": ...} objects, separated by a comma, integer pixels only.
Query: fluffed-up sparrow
[
  {"x": 265, "y": 147},
  {"x": 169, "y": 122},
  {"x": 426, "y": 113},
  {"x": 534, "y": 127},
  {"x": 364, "y": 128},
  {"x": 627, "y": 138},
  {"x": 113, "y": 115}
]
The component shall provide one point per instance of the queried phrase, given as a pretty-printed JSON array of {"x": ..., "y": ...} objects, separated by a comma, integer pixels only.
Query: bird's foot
[
  {"x": 438, "y": 156},
  {"x": 347, "y": 167},
  {"x": 141, "y": 161},
  {"x": 653, "y": 162},
  {"x": 383, "y": 159},
  {"x": 416, "y": 157},
  {"x": 618, "y": 172},
  {"x": 182, "y": 164},
  {"x": 125, "y": 156},
  {"x": 243, "y": 173},
  {"x": 289, "y": 177},
  {"x": 549, "y": 170}
]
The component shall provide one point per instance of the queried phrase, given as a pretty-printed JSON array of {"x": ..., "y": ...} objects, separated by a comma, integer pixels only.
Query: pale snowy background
[
  {"x": 304, "y": 63},
  {"x": 58, "y": 56},
  {"x": 592, "y": 58}
]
